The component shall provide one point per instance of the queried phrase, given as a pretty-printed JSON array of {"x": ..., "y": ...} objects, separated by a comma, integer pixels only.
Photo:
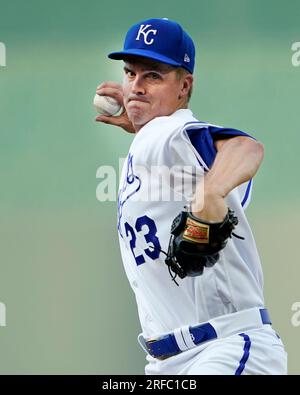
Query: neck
[{"x": 184, "y": 106}]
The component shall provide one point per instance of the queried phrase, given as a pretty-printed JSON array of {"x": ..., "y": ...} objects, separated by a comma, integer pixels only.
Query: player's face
[{"x": 153, "y": 89}]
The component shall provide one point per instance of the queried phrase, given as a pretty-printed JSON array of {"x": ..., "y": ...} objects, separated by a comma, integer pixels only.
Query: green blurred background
[{"x": 69, "y": 308}]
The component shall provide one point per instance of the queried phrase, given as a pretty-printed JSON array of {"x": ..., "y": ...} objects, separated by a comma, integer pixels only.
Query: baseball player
[{"x": 189, "y": 253}]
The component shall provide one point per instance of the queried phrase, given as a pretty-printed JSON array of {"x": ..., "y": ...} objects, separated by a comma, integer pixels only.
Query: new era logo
[{"x": 186, "y": 58}]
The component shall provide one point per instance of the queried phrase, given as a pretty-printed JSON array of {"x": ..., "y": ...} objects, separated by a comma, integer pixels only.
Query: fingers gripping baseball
[
  {"x": 114, "y": 90},
  {"x": 111, "y": 89}
]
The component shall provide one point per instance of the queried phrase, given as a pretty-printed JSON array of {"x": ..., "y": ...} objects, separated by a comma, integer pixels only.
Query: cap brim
[{"x": 143, "y": 53}]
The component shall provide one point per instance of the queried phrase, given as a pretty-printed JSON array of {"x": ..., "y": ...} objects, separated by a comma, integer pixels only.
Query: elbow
[
  {"x": 259, "y": 151},
  {"x": 255, "y": 152},
  {"x": 253, "y": 148}
]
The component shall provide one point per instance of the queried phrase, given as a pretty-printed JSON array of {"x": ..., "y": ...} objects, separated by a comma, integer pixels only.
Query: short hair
[{"x": 180, "y": 73}]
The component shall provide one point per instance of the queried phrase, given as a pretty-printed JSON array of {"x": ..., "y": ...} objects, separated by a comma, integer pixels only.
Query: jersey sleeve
[{"x": 203, "y": 140}]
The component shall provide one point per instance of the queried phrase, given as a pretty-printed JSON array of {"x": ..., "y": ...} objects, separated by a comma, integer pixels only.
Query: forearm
[{"x": 236, "y": 162}]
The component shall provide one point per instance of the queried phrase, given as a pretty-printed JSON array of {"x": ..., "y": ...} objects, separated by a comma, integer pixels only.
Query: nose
[{"x": 138, "y": 86}]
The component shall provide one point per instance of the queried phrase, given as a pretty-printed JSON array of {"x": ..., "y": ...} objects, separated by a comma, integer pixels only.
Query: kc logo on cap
[
  {"x": 143, "y": 30},
  {"x": 161, "y": 40}
]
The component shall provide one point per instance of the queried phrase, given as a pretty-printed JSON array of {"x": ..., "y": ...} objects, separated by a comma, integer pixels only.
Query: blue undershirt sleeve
[{"x": 203, "y": 140}]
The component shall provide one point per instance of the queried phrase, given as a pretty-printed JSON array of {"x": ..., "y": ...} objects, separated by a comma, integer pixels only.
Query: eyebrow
[
  {"x": 152, "y": 67},
  {"x": 127, "y": 68}
]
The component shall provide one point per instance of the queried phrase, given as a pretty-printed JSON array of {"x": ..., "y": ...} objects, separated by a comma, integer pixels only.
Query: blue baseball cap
[{"x": 159, "y": 39}]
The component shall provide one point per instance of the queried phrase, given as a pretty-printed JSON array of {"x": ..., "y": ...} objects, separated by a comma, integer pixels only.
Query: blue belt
[{"x": 166, "y": 345}]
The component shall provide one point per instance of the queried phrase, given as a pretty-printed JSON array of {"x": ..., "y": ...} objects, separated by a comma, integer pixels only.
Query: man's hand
[{"x": 114, "y": 90}]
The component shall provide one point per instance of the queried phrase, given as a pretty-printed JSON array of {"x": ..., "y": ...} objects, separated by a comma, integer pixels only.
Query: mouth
[{"x": 137, "y": 100}]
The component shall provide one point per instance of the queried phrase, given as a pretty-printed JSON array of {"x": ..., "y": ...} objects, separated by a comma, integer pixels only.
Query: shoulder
[{"x": 208, "y": 138}]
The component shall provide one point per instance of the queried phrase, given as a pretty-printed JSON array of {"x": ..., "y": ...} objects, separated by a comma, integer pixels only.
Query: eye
[
  {"x": 153, "y": 75},
  {"x": 129, "y": 73}
]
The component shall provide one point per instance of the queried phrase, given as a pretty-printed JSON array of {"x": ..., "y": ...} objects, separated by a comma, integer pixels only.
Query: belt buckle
[
  {"x": 159, "y": 357},
  {"x": 149, "y": 341},
  {"x": 167, "y": 345},
  {"x": 163, "y": 357}
]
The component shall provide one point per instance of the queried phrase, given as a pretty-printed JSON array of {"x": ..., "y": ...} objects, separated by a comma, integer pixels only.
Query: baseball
[{"x": 106, "y": 105}]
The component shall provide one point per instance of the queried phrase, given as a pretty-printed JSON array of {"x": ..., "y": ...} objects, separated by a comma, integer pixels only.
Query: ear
[{"x": 186, "y": 85}]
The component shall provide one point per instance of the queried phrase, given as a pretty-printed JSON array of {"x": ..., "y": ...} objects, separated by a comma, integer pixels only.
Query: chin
[{"x": 138, "y": 118}]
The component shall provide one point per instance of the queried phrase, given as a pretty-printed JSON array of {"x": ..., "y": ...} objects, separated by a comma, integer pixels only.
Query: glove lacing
[{"x": 173, "y": 276}]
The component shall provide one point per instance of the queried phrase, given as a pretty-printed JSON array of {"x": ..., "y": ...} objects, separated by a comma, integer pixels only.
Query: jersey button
[
  {"x": 149, "y": 318},
  {"x": 135, "y": 284}
]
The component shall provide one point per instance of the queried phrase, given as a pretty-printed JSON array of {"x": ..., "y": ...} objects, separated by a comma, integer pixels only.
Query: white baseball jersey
[{"x": 234, "y": 283}]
